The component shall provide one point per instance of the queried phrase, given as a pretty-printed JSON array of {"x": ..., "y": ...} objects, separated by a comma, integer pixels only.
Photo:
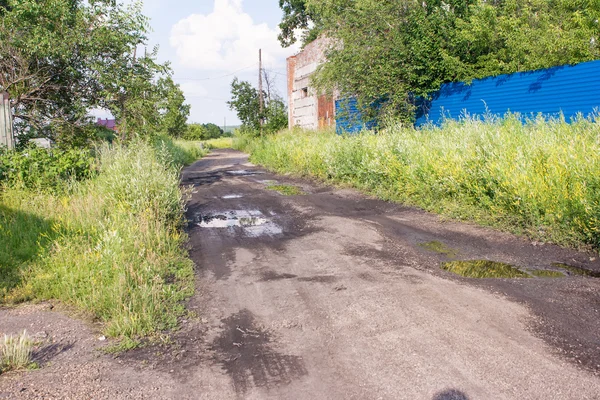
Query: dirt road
[{"x": 327, "y": 294}]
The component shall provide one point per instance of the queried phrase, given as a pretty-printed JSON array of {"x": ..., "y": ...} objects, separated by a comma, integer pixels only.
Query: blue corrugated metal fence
[{"x": 570, "y": 90}]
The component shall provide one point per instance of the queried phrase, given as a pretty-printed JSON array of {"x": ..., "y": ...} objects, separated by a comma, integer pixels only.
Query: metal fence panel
[{"x": 567, "y": 90}]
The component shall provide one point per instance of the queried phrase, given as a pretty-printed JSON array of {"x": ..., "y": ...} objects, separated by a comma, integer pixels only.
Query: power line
[{"x": 217, "y": 77}]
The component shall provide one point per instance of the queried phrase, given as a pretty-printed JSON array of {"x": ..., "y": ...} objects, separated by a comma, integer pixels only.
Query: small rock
[
  {"x": 102, "y": 338},
  {"x": 40, "y": 335}
]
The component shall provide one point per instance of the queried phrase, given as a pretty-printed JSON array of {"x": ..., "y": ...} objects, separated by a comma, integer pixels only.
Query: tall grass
[
  {"x": 15, "y": 352},
  {"x": 111, "y": 247},
  {"x": 541, "y": 178}
]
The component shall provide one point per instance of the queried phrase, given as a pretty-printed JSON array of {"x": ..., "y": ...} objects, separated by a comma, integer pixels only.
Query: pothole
[
  {"x": 571, "y": 270},
  {"x": 440, "y": 248},
  {"x": 484, "y": 269},
  {"x": 253, "y": 222}
]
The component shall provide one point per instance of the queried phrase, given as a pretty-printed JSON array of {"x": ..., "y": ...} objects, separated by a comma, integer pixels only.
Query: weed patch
[
  {"x": 15, "y": 352},
  {"x": 286, "y": 190},
  {"x": 484, "y": 269},
  {"x": 440, "y": 248},
  {"x": 111, "y": 247},
  {"x": 541, "y": 178},
  {"x": 220, "y": 143}
]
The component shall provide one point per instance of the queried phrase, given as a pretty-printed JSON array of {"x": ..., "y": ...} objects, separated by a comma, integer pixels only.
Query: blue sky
[{"x": 207, "y": 39}]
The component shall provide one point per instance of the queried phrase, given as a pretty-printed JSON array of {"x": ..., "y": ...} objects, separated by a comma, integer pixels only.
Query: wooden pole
[{"x": 260, "y": 89}]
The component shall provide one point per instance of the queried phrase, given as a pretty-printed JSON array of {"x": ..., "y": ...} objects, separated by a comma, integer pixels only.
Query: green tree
[
  {"x": 245, "y": 101},
  {"x": 296, "y": 16},
  {"x": 391, "y": 51},
  {"x": 174, "y": 111},
  {"x": 62, "y": 58},
  {"x": 213, "y": 131},
  {"x": 195, "y": 132}
]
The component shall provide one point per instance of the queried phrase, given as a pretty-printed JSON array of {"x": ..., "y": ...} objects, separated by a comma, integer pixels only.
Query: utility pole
[{"x": 260, "y": 89}]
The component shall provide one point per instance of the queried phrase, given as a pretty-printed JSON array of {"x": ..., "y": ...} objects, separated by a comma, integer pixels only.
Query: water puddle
[
  {"x": 571, "y": 270},
  {"x": 244, "y": 172},
  {"x": 484, "y": 269},
  {"x": 547, "y": 273},
  {"x": 253, "y": 222}
]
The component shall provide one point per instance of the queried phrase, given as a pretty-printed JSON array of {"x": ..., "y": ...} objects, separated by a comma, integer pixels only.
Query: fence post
[{"x": 6, "y": 127}]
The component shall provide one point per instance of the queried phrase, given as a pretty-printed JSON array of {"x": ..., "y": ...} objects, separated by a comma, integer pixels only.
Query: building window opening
[{"x": 304, "y": 92}]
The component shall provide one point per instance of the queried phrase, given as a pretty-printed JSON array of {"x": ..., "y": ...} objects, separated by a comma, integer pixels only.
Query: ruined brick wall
[{"x": 306, "y": 108}]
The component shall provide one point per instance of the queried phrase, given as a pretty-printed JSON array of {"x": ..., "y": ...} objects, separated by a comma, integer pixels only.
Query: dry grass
[{"x": 15, "y": 352}]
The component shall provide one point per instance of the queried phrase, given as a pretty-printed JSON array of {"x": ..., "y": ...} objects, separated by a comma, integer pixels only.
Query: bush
[
  {"x": 43, "y": 169},
  {"x": 541, "y": 178}
]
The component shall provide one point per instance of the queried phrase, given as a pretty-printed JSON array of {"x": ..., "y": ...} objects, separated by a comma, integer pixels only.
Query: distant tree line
[
  {"x": 203, "y": 132},
  {"x": 392, "y": 51}
]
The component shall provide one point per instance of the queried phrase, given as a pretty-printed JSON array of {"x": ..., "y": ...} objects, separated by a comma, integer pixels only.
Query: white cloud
[
  {"x": 193, "y": 89},
  {"x": 226, "y": 39}
]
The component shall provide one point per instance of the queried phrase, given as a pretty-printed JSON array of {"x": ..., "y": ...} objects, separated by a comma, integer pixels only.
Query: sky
[{"x": 209, "y": 42}]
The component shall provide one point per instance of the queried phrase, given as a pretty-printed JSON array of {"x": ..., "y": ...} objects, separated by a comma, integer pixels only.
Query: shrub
[{"x": 44, "y": 169}]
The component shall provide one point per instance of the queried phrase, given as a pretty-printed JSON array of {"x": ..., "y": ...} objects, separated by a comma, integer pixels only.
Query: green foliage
[
  {"x": 179, "y": 152},
  {"x": 245, "y": 101},
  {"x": 62, "y": 58},
  {"x": 43, "y": 169},
  {"x": 392, "y": 51},
  {"x": 221, "y": 143},
  {"x": 112, "y": 247},
  {"x": 297, "y": 17},
  {"x": 540, "y": 178},
  {"x": 203, "y": 132},
  {"x": 174, "y": 111}
]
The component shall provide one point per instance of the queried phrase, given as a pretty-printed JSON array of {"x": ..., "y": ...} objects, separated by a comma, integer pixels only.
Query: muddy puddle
[
  {"x": 252, "y": 222},
  {"x": 571, "y": 270}
]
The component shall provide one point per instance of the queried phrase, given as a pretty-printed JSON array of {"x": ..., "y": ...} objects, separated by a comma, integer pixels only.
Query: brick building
[{"x": 307, "y": 109}]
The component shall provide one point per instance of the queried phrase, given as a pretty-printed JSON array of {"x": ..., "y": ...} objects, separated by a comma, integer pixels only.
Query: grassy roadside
[
  {"x": 541, "y": 179},
  {"x": 110, "y": 246},
  {"x": 219, "y": 143}
]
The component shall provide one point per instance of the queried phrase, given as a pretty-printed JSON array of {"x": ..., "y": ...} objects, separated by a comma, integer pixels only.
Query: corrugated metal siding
[
  {"x": 567, "y": 89},
  {"x": 348, "y": 117}
]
